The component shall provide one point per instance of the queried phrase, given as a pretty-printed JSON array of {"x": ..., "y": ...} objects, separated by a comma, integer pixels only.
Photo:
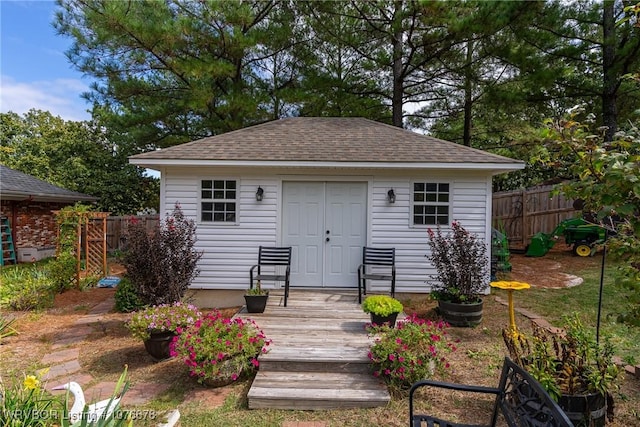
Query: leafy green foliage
[
  {"x": 162, "y": 264},
  {"x": 26, "y": 288},
  {"x": 606, "y": 177},
  {"x": 126, "y": 297},
  {"x": 415, "y": 349},
  {"x": 87, "y": 157},
  {"x": 381, "y": 305},
  {"x": 163, "y": 318},
  {"x": 27, "y": 403},
  {"x": 566, "y": 364}
]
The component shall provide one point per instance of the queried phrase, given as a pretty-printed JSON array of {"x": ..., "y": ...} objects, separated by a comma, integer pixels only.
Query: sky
[{"x": 35, "y": 73}]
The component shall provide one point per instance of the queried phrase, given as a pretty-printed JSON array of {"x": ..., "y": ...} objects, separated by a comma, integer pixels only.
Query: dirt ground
[{"x": 110, "y": 346}]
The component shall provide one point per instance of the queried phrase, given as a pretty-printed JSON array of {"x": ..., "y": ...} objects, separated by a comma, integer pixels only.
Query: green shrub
[
  {"x": 62, "y": 271},
  {"x": 25, "y": 288},
  {"x": 381, "y": 305},
  {"x": 126, "y": 297}
]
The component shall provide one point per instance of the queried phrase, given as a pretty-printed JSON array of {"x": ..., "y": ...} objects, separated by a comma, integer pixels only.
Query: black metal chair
[
  {"x": 519, "y": 397},
  {"x": 377, "y": 257},
  {"x": 267, "y": 256}
]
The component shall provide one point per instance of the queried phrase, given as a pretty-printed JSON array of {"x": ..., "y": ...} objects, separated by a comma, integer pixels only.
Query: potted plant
[
  {"x": 219, "y": 350},
  {"x": 157, "y": 325},
  {"x": 256, "y": 298},
  {"x": 462, "y": 274},
  {"x": 383, "y": 309},
  {"x": 575, "y": 370}
]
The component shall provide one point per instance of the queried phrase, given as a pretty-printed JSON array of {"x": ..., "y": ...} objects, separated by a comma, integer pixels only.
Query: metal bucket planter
[
  {"x": 464, "y": 315},
  {"x": 588, "y": 410}
]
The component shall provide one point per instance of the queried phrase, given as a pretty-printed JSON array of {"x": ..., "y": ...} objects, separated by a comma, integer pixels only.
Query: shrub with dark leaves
[{"x": 162, "y": 263}]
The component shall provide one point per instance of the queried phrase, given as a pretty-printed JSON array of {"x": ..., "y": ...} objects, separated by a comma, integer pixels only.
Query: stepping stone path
[{"x": 64, "y": 365}]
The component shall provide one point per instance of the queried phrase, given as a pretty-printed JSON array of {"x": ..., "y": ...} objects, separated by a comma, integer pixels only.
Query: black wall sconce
[
  {"x": 259, "y": 194},
  {"x": 391, "y": 196}
]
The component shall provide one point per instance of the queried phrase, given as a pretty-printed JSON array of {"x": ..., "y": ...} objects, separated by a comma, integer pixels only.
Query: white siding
[
  {"x": 231, "y": 249},
  {"x": 391, "y": 224}
]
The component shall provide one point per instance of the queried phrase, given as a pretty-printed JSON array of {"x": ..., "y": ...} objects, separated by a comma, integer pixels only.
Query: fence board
[
  {"x": 522, "y": 213},
  {"x": 117, "y": 226}
]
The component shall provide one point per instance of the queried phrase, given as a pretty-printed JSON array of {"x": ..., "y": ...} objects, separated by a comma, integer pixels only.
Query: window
[
  {"x": 218, "y": 200},
  {"x": 430, "y": 203}
]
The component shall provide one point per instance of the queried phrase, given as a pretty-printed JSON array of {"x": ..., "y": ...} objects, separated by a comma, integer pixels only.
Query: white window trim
[
  {"x": 201, "y": 200},
  {"x": 412, "y": 203}
]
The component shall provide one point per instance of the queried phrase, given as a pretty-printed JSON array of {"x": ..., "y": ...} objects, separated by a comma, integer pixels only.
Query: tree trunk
[
  {"x": 609, "y": 89},
  {"x": 468, "y": 96},
  {"x": 398, "y": 79}
]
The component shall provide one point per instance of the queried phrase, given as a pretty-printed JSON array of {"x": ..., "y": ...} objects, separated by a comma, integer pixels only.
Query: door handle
[
  {"x": 328, "y": 232},
  {"x": 327, "y": 239}
]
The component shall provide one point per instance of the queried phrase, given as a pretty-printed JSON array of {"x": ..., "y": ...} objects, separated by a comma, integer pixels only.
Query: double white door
[{"x": 325, "y": 224}]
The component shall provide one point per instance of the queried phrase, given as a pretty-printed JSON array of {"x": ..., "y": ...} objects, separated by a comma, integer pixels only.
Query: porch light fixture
[
  {"x": 391, "y": 196},
  {"x": 259, "y": 194}
]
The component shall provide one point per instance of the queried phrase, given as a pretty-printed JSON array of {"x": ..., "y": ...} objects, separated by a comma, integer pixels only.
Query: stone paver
[
  {"x": 103, "y": 308},
  {"x": 143, "y": 392},
  {"x": 61, "y": 356},
  {"x": 73, "y": 336},
  {"x": 210, "y": 398},
  {"x": 304, "y": 424},
  {"x": 61, "y": 370},
  {"x": 89, "y": 319},
  {"x": 80, "y": 378}
]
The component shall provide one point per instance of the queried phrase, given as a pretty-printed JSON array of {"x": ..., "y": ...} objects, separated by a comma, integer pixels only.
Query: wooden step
[
  {"x": 316, "y": 391},
  {"x": 318, "y": 357}
]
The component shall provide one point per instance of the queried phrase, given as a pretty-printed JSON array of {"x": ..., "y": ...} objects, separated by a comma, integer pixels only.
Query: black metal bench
[
  {"x": 376, "y": 257},
  {"x": 519, "y": 398},
  {"x": 273, "y": 257}
]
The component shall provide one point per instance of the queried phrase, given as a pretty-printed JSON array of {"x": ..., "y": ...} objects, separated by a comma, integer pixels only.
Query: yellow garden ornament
[{"x": 511, "y": 286}]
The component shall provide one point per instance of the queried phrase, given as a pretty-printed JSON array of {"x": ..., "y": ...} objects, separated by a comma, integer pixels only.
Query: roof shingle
[
  {"x": 325, "y": 139},
  {"x": 15, "y": 185}
]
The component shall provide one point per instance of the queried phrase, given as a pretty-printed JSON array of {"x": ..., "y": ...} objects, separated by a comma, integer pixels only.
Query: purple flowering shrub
[
  {"x": 162, "y": 318},
  {"x": 414, "y": 350},
  {"x": 217, "y": 348}
]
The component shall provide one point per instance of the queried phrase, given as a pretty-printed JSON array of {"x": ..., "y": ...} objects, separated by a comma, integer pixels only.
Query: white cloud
[{"x": 61, "y": 97}]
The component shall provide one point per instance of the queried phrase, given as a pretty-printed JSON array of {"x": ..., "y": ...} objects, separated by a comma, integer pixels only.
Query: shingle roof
[
  {"x": 16, "y": 185},
  {"x": 324, "y": 139}
]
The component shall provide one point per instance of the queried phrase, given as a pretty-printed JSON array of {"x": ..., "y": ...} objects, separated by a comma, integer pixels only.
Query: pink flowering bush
[
  {"x": 218, "y": 349},
  {"x": 162, "y": 318},
  {"x": 415, "y": 349}
]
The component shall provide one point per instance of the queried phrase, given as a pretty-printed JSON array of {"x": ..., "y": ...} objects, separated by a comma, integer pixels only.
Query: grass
[{"x": 554, "y": 304}]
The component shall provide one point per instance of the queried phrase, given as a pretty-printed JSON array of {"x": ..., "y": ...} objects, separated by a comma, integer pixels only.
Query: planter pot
[
  {"x": 158, "y": 345},
  {"x": 380, "y": 320},
  {"x": 588, "y": 410},
  {"x": 231, "y": 373},
  {"x": 256, "y": 303},
  {"x": 464, "y": 315}
]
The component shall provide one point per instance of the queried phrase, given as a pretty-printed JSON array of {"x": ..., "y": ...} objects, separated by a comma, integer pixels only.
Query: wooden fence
[
  {"x": 117, "y": 226},
  {"x": 522, "y": 213}
]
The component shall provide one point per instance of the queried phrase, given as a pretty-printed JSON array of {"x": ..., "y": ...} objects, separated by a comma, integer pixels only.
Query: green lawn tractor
[{"x": 578, "y": 232}]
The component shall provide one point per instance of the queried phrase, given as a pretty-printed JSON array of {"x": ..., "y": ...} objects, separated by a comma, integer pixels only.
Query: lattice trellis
[
  {"x": 95, "y": 232},
  {"x": 91, "y": 243}
]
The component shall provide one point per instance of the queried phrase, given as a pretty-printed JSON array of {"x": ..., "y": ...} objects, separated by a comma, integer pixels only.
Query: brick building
[{"x": 28, "y": 203}]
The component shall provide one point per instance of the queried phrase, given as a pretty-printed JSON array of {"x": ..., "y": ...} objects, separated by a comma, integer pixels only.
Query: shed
[{"x": 326, "y": 187}]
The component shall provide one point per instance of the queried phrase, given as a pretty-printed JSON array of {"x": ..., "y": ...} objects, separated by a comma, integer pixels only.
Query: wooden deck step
[
  {"x": 315, "y": 391},
  {"x": 318, "y": 355}
]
